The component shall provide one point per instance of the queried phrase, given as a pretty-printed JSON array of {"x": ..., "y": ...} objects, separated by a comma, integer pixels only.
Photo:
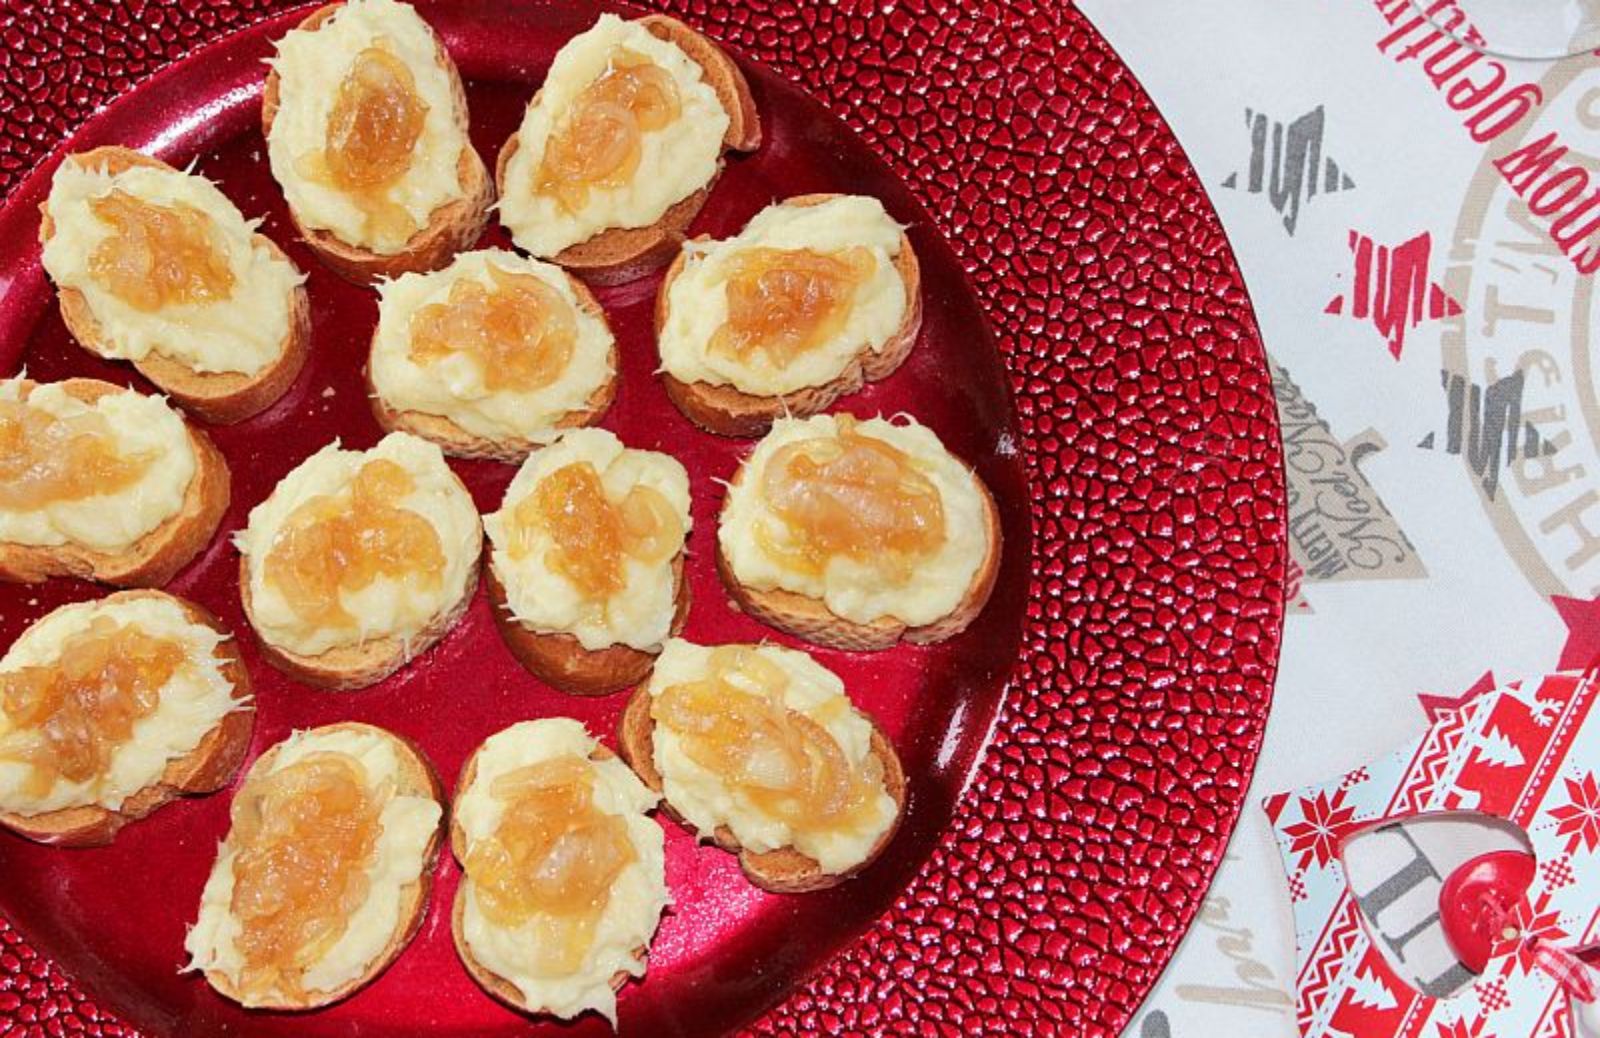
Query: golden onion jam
[
  {"x": 851, "y": 496},
  {"x": 344, "y": 542},
  {"x": 593, "y": 536},
  {"x": 69, "y": 718},
  {"x": 734, "y": 723},
  {"x": 784, "y": 302},
  {"x": 551, "y": 861},
  {"x": 600, "y": 140},
  {"x": 302, "y": 838},
  {"x": 520, "y": 333}
]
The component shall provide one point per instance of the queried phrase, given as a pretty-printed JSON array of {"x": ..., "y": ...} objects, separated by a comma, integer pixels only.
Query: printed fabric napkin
[{"x": 1418, "y": 225}]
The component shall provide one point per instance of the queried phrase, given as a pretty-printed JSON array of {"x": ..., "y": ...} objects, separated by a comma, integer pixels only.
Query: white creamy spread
[
  {"x": 311, "y": 65},
  {"x": 192, "y": 702},
  {"x": 409, "y": 822},
  {"x": 640, "y": 614},
  {"x": 391, "y": 606},
  {"x": 638, "y": 895},
  {"x": 851, "y": 589},
  {"x": 675, "y": 162},
  {"x": 706, "y": 800},
  {"x": 698, "y": 302},
  {"x": 453, "y": 386},
  {"x": 143, "y": 426},
  {"x": 243, "y": 333}
]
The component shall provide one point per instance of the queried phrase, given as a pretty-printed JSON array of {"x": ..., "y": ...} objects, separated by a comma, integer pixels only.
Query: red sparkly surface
[{"x": 1120, "y": 758}]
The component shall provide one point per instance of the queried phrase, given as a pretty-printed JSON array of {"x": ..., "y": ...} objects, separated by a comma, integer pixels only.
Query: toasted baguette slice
[
  {"x": 488, "y": 979},
  {"x": 416, "y": 777},
  {"x": 460, "y": 443},
  {"x": 351, "y": 667},
  {"x": 727, "y": 411},
  {"x": 562, "y": 661},
  {"x": 205, "y": 769},
  {"x": 452, "y": 227},
  {"x": 812, "y": 620},
  {"x": 624, "y": 253},
  {"x": 340, "y": 659},
  {"x": 154, "y": 559},
  {"x": 221, "y": 397},
  {"x": 782, "y": 871}
]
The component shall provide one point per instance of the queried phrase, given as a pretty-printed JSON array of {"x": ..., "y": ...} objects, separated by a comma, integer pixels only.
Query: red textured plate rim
[{"x": 1121, "y": 754}]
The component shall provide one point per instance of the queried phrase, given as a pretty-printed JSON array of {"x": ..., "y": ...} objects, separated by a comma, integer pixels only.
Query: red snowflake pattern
[
  {"x": 1537, "y": 924},
  {"x": 1579, "y": 820},
  {"x": 1317, "y": 838}
]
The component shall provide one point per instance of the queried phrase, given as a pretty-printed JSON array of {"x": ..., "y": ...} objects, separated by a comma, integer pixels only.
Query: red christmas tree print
[
  {"x": 1316, "y": 839},
  {"x": 1579, "y": 819}
]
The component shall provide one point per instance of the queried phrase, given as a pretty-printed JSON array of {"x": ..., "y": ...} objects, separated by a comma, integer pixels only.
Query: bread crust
[
  {"x": 561, "y": 660},
  {"x": 219, "y": 397},
  {"x": 623, "y": 254},
  {"x": 727, "y": 411},
  {"x": 451, "y": 227},
  {"x": 784, "y": 870},
  {"x": 205, "y": 769},
  {"x": 496, "y": 985},
  {"x": 350, "y": 667},
  {"x": 811, "y": 619},
  {"x": 156, "y": 557},
  {"x": 417, "y": 778},
  {"x": 459, "y": 443}
]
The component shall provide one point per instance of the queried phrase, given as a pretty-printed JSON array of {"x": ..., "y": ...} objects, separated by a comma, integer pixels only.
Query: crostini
[
  {"x": 359, "y": 561},
  {"x": 586, "y": 561},
  {"x": 817, "y": 296},
  {"x": 758, "y": 749},
  {"x": 366, "y": 126},
  {"x": 155, "y": 266},
  {"x": 102, "y": 483},
  {"x": 621, "y": 145},
  {"x": 490, "y": 357},
  {"x": 324, "y": 876},
  {"x": 858, "y": 534},
  {"x": 565, "y": 874},
  {"x": 112, "y": 708}
]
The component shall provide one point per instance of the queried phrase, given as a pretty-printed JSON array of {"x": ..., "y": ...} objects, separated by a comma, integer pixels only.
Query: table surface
[{"x": 1401, "y": 285}]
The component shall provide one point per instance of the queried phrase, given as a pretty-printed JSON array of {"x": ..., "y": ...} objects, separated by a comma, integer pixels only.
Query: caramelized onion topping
[
  {"x": 599, "y": 141},
  {"x": 344, "y": 542},
  {"x": 157, "y": 256},
  {"x": 520, "y": 333},
  {"x": 551, "y": 861},
  {"x": 594, "y": 536},
  {"x": 733, "y": 722},
  {"x": 854, "y": 497},
  {"x": 70, "y": 717},
  {"x": 303, "y": 836},
  {"x": 784, "y": 302},
  {"x": 45, "y": 460},
  {"x": 376, "y": 121}
]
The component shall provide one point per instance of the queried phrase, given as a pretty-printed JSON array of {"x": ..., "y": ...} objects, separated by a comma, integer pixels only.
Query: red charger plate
[{"x": 1077, "y": 758}]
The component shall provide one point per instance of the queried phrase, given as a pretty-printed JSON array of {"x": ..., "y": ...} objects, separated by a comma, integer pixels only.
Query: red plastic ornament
[{"x": 1476, "y": 904}]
